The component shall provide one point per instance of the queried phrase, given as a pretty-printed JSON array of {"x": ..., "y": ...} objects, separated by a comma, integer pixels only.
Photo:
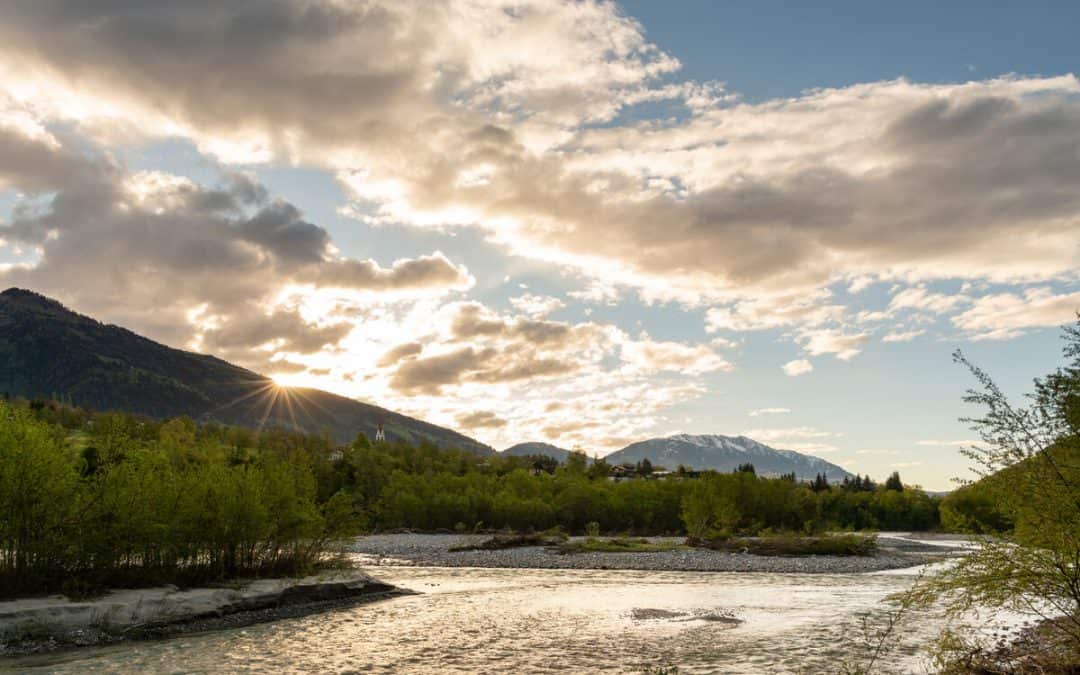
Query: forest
[{"x": 93, "y": 500}]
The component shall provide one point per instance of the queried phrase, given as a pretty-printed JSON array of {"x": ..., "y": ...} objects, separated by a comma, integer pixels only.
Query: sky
[{"x": 584, "y": 223}]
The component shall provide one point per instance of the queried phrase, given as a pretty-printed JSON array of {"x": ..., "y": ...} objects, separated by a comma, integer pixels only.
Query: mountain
[
  {"x": 46, "y": 350},
  {"x": 725, "y": 453},
  {"x": 524, "y": 449}
]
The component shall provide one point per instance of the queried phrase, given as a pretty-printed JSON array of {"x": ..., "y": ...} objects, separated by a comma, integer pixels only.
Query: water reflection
[{"x": 547, "y": 621}]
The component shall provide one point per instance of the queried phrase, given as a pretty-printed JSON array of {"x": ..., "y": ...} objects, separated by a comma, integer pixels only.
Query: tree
[
  {"x": 644, "y": 467},
  {"x": 1029, "y": 461},
  {"x": 893, "y": 482},
  {"x": 576, "y": 462},
  {"x": 599, "y": 469},
  {"x": 746, "y": 468}
]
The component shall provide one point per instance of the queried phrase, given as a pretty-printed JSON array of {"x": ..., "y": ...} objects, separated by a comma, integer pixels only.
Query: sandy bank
[{"x": 55, "y": 622}]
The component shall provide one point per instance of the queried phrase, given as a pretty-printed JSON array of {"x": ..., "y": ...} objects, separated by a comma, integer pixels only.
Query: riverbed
[{"x": 474, "y": 620}]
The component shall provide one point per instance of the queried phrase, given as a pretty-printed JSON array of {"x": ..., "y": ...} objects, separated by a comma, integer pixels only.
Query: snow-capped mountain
[{"x": 725, "y": 453}]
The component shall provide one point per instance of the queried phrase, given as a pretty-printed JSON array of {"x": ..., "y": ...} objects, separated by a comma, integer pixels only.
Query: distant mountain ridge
[
  {"x": 47, "y": 350},
  {"x": 725, "y": 453},
  {"x": 547, "y": 449}
]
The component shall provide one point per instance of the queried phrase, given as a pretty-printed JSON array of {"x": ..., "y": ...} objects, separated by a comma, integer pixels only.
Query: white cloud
[
  {"x": 947, "y": 444},
  {"x": 798, "y": 367},
  {"x": 768, "y": 411},
  {"x": 829, "y": 341},
  {"x": 536, "y": 305},
  {"x": 788, "y": 433},
  {"x": 1007, "y": 315},
  {"x": 919, "y": 298},
  {"x": 648, "y": 355},
  {"x": 774, "y": 311},
  {"x": 811, "y": 448},
  {"x": 597, "y": 292},
  {"x": 903, "y": 336}
]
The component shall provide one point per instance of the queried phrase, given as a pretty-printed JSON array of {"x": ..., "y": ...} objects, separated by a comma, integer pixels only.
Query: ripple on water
[{"x": 543, "y": 621}]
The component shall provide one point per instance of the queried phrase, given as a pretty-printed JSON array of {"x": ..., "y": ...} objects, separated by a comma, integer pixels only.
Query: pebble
[{"x": 432, "y": 550}]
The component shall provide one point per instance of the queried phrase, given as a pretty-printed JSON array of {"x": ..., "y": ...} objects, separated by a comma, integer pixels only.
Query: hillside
[
  {"x": 46, "y": 350},
  {"x": 526, "y": 449},
  {"x": 725, "y": 453}
]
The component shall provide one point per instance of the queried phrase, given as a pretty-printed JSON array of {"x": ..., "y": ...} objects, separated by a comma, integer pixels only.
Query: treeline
[
  {"x": 93, "y": 500},
  {"x": 96, "y": 501}
]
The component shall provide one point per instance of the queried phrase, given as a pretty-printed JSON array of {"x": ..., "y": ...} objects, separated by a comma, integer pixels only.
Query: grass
[
  {"x": 618, "y": 545},
  {"x": 788, "y": 545}
]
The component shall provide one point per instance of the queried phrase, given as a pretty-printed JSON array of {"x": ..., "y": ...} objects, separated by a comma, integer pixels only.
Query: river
[{"x": 469, "y": 620}]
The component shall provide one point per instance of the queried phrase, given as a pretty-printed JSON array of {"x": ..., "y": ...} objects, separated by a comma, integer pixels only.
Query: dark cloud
[
  {"x": 473, "y": 320},
  {"x": 244, "y": 330},
  {"x": 431, "y": 271},
  {"x": 481, "y": 419},
  {"x": 398, "y": 353},
  {"x": 428, "y": 375}
]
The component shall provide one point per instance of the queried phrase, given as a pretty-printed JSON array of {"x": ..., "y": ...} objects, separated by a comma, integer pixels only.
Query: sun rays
[{"x": 272, "y": 403}]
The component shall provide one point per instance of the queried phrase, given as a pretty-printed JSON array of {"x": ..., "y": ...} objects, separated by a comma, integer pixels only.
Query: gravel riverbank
[
  {"x": 35, "y": 625},
  {"x": 432, "y": 550}
]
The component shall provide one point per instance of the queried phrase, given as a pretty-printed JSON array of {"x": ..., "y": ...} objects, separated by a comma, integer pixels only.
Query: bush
[{"x": 788, "y": 545}]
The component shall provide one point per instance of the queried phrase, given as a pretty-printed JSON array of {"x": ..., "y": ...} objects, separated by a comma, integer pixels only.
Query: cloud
[
  {"x": 796, "y": 433},
  {"x": 903, "y": 336},
  {"x": 481, "y": 419},
  {"x": 947, "y": 444},
  {"x": 800, "y": 439},
  {"x": 399, "y": 352},
  {"x": 430, "y": 271},
  {"x": 536, "y": 305},
  {"x": 200, "y": 266},
  {"x": 828, "y": 341},
  {"x": 480, "y": 345},
  {"x": 1007, "y": 315},
  {"x": 768, "y": 411},
  {"x": 919, "y": 298},
  {"x": 648, "y": 356},
  {"x": 597, "y": 292},
  {"x": 774, "y": 311},
  {"x": 427, "y": 375},
  {"x": 811, "y": 448},
  {"x": 905, "y": 465},
  {"x": 798, "y": 367},
  {"x": 479, "y": 115}
]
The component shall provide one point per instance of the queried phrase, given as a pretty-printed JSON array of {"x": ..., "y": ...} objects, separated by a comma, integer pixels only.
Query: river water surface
[{"x": 468, "y": 620}]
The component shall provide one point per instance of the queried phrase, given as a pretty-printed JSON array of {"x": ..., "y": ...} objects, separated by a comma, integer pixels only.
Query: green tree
[
  {"x": 893, "y": 482},
  {"x": 1035, "y": 567}
]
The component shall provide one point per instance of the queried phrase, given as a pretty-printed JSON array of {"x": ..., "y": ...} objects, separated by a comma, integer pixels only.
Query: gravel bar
[{"x": 432, "y": 550}]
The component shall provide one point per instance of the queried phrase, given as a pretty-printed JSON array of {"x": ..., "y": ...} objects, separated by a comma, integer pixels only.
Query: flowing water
[{"x": 469, "y": 620}]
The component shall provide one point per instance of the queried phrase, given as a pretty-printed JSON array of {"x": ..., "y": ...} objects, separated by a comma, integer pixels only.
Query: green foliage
[
  {"x": 618, "y": 545},
  {"x": 893, "y": 482},
  {"x": 741, "y": 503},
  {"x": 975, "y": 509},
  {"x": 788, "y": 545},
  {"x": 1030, "y": 496},
  {"x": 92, "y": 500},
  {"x": 134, "y": 502},
  {"x": 504, "y": 541}
]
